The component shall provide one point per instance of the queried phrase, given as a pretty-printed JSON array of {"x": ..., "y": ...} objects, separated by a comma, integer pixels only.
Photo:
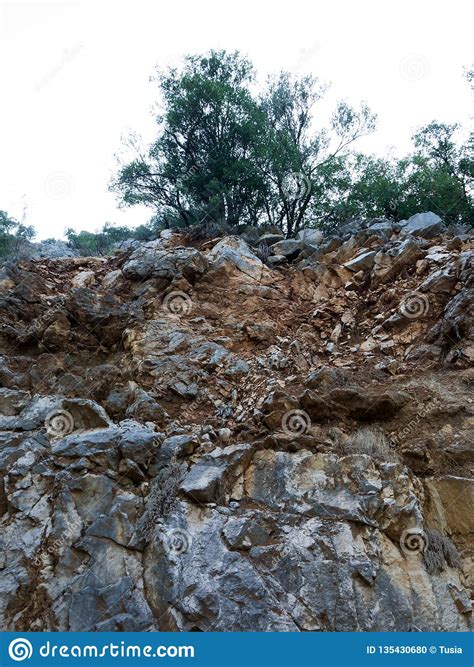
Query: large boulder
[
  {"x": 311, "y": 236},
  {"x": 52, "y": 249},
  {"x": 151, "y": 260},
  {"x": 427, "y": 225},
  {"x": 390, "y": 263},
  {"x": 290, "y": 248},
  {"x": 362, "y": 262},
  {"x": 232, "y": 255}
]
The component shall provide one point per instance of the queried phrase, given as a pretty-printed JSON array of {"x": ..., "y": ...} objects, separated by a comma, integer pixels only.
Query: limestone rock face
[
  {"x": 233, "y": 254},
  {"x": 151, "y": 260},
  {"x": 219, "y": 437},
  {"x": 427, "y": 225}
]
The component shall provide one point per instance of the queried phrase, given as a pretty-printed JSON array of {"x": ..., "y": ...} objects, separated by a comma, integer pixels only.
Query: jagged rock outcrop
[{"x": 219, "y": 437}]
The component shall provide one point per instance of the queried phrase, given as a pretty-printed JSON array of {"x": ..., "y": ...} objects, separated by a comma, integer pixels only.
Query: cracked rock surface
[{"x": 194, "y": 436}]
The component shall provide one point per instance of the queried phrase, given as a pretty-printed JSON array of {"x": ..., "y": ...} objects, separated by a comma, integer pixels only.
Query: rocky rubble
[{"x": 233, "y": 435}]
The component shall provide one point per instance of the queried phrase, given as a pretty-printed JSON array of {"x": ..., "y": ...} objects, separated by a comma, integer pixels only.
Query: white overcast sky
[{"x": 74, "y": 77}]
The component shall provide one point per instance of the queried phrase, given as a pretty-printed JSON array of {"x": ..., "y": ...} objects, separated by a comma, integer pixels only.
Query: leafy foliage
[
  {"x": 109, "y": 237},
  {"x": 226, "y": 156},
  {"x": 13, "y": 235},
  {"x": 437, "y": 177}
]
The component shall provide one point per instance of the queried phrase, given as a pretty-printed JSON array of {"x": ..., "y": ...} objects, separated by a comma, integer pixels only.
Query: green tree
[
  {"x": 202, "y": 166},
  {"x": 306, "y": 162},
  {"x": 224, "y": 155},
  {"x": 441, "y": 172},
  {"x": 13, "y": 235},
  {"x": 436, "y": 176}
]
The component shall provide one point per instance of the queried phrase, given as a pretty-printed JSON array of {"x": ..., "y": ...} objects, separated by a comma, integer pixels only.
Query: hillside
[{"x": 240, "y": 434}]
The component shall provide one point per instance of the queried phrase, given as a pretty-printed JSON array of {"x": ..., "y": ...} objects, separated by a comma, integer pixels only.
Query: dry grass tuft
[
  {"x": 439, "y": 552},
  {"x": 162, "y": 499},
  {"x": 370, "y": 441}
]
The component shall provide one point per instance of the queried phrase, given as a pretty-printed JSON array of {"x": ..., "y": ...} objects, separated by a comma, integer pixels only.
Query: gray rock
[
  {"x": 213, "y": 476},
  {"x": 50, "y": 250},
  {"x": 234, "y": 254},
  {"x": 363, "y": 262},
  {"x": 72, "y": 413},
  {"x": 441, "y": 281},
  {"x": 12, "y": 401},
  {"x": 271, "y": 239},
  {"x": 427, "y": 225},
  {"x": 384, "y": 228},
  {"x": 311, "y": 236},
  {"x": 178, "y": 446},
  {"x": 111, "y": 278},
  {"x": 350, "y": 228},
  {"x": 150, "y": 260},
  {"x": 333, "y": 244},
  {"x": 138, "y": 443},
  {"x": 276, "y": 260},
  {"x": 399, "y": 257},
  {"x": 289, "y": 248},
  {"x": 146, "y": 408}
]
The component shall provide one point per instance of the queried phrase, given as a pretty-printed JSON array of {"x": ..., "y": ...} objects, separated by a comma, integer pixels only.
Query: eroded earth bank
[{"x": 244, "y": 433}]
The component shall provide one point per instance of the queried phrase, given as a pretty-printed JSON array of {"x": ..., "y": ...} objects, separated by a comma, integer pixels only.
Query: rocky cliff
[{"x": 248, "y": 433}]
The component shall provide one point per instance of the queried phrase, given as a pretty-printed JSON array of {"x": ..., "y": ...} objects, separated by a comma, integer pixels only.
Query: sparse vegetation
[
  {"x": 226, "y": 154},
  {"x": 439, "y": 552},
  {"x": 372, "y": 442},
  {"x": 161, "y": 500},
  {"x": 109, "y": 238},
  {"x": 13, "y": 235}
]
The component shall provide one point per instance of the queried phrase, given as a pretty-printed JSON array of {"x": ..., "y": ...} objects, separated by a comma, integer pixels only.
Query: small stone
[{"x": 224, "y": 434}]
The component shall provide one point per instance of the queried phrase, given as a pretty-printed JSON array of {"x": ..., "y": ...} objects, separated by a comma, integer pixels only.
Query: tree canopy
[
  {"x": 227, "y": 154},
  {"x": 230, "y": 153},
  {"x": 13, "y": 234}
]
